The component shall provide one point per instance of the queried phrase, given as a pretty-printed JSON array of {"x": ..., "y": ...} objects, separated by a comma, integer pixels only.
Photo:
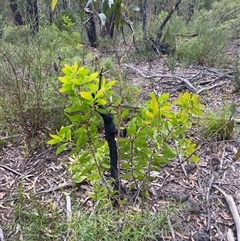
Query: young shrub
[{"x": 155, "y": 136}]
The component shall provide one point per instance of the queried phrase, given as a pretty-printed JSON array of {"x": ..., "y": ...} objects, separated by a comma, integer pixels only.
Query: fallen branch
[
  {"x": 233, "y": 210},
  {"x": 59, "y": 187},
  {"x": 185, "y": 81},
  {"x": 211, "y": 87},
  {"x": 208, "y": 201}
]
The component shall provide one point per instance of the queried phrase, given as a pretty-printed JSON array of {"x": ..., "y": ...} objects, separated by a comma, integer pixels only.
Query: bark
[
  {"x": 16, "y": 13},
  {"x": 91, "y": 31}
]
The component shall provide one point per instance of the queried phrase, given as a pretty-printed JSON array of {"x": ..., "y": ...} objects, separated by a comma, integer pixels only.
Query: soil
[{"x": 206, "y": 214}]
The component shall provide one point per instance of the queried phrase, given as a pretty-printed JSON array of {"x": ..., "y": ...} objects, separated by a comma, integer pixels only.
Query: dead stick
[{"x": 233, "y": 210}]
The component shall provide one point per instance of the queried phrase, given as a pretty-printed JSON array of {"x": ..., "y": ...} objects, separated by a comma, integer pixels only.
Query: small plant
[
  {"x": 155, "y": 135},
  {"x": 217, "y": 124}
]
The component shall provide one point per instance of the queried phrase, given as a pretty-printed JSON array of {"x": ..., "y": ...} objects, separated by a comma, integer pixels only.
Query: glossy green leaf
[
  {"x": 101, "y": 102},
  {"x": 54, "y": 141},
  {"x": 99, "y": 93},
  {"x": 61, "y": 148},
  {"x": 86, "y": 95}
]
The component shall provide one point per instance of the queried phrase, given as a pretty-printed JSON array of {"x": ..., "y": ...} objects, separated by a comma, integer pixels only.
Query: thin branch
[
  {"x": 59, "y": 187},
  {"x": 211, "y": 87},
  {"x": 233, "y": 210},
  {"x": 226, "y": 15}
]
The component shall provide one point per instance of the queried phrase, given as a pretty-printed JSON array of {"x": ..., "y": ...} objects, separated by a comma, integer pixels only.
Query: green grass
[
  {"x": 36, "y": 220},
  {"x": 216, "y": 124}
]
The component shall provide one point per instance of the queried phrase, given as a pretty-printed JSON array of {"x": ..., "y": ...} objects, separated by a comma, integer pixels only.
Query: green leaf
[
  {"x": 124, "y": 113},
  {"x": 86, "y": 95},
  {"x": 167, "y": 151},
  {"x": 64, "y": 129},
  {"x": 163, "y": 98},
  {"x": 78, "y": 178},
  {"x": 195, "y": 158},
  {"x": 53, "y": 5},
  {"x": 99, "y": 93},
  {"x": 92, "y": 76},
  {"x": 101, "y": 102},
  {"x": 102, "y": 111},
  {"x": 65, "y": 88},
  {"x": 110, "y": 84},
  {"x": 67, "y": 70},
  {"x": 149, "y": 114},
  {"x": 76, "y": 81},
  {"x": 153, "y": 104},
  {"x": 92, "y": 87},
  {"x": 61, "y": 148},
  {"x": 65, "y": 79},
  {"x": 54, "y": 141},
  {"x": 125, "y": 166}
]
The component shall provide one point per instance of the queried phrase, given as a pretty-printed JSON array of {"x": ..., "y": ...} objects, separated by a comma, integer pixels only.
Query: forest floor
[{"x": 206, "y": 214}]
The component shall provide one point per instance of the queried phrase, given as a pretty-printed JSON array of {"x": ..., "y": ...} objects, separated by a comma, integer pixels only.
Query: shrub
[
  {"x": 30, "y": 101},
  {"x": 155, "y": 136}
]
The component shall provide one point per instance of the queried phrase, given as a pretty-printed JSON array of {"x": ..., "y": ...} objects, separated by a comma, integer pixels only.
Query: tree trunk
[
  {"x": 91, "y": 31},
  {"x": 64, "y": 4},
  {"x": 159, "y": 33},
  {"x": 16, "y": 13},
  {"x": 144, "y": 14},
  {"x": 50, "y": 14},
  {"x": 108, "y": 29},
  {"x": 33, "y": 18}
]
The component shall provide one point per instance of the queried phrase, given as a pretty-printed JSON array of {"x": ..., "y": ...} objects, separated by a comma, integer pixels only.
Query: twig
[
  {"x": 208, "y": 201},
  {"x": 233, "y": 210},
  {"x": 68, "y": 206},
  {"x": 11, "y": 170},
  {"x": 61, "y": 186},
  {"x": 186, "y": 82}
]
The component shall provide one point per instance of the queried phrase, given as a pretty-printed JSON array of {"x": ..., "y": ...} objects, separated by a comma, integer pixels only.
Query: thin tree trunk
[
  {"x": 144, "y": 26},
  {"x": 108, "y": 29},
  {"x": 160, "y": 30},
  {"x": 91, "y": 31},
  {"x": 16, "y": 13}
]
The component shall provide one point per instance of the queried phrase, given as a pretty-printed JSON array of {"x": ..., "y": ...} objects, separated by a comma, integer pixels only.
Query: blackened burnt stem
[{"x": 110, "y": 133}]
